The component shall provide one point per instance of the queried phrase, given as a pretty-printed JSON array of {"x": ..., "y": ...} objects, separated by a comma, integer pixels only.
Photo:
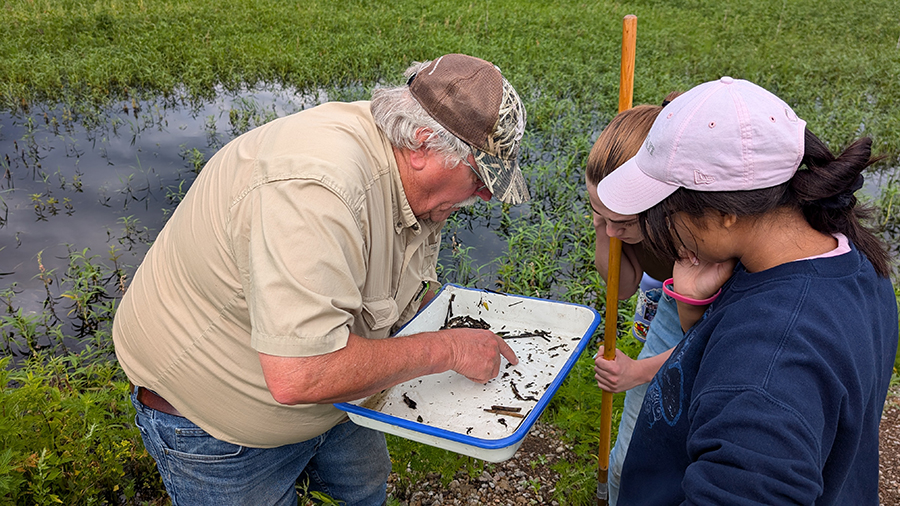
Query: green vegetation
[
  {"x": 835, "y": 62},
  {"x": 66, "y": 433}
]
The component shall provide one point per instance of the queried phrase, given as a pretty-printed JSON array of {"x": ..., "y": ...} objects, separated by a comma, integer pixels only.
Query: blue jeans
[
  {"x": 664, "y": 333},
  {"x": 349, "y": 463}
]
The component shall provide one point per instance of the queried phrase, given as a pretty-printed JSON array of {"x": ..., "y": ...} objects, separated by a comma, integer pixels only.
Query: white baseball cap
[{"x": 723, "y": 135}]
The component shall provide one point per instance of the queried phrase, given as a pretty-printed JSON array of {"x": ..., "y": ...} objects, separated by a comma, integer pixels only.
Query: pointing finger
[{"x": 506, "y": 351}]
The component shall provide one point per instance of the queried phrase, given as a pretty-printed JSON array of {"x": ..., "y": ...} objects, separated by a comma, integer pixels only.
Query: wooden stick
[
  {"x": 503, "y": 412},
  {"x": 626, "y": 73},
  {"x": 626, "y": 94}
]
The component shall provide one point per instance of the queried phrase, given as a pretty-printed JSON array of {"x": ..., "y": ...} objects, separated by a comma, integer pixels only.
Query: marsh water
[{"x": 103, "y": 182}]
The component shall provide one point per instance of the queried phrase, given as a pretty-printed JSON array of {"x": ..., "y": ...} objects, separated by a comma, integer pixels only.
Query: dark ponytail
[{"x": 825, "y": 192}]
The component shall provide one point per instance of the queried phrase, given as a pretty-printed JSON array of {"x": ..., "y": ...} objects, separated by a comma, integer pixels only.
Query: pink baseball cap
[{"x": 723, "y": 135}]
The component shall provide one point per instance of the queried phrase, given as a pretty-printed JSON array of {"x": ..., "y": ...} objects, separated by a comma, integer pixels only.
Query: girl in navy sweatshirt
[{"x": 776, "y": 392}]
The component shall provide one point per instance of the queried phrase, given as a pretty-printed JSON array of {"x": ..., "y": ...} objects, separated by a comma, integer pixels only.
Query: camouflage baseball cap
[{"x": 471, "y": 99}]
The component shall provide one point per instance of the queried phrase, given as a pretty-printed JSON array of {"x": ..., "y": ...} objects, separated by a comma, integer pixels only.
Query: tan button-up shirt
[{"x": 294, "y": 235}]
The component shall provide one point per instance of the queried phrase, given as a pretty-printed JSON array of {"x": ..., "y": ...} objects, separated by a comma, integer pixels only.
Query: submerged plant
[
  {"x": 194, "y": 158},
  {"x": 246, "y": 114},
  {"x": 461, "y": 268}
]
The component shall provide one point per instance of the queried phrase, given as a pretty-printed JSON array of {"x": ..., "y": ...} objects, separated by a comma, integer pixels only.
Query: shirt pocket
[{"x": 380, "y": 313}]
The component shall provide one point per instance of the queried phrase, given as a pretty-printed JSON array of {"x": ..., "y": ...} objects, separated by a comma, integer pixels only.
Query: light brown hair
[{"x": 621, "y": 139}]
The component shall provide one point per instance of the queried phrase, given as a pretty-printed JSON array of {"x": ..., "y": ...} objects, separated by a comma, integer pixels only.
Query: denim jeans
[
  {"x": 349, "y": 463},
  {"x": 664, "y": 333}
]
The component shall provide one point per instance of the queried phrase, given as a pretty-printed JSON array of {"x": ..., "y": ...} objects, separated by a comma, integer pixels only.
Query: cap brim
[
  {"x": 502, "y": 177},
  {"x": 627, "y": 190}
]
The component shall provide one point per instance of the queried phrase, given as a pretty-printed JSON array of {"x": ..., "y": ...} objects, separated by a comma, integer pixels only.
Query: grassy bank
[{"x": 834, "y": 62}]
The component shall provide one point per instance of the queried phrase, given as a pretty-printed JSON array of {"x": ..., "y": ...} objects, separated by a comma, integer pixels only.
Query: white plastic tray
[{"x": 448, "y": 410}]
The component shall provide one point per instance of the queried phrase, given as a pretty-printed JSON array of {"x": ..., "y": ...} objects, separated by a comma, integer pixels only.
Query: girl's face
[{"x": 622, "y": 226}]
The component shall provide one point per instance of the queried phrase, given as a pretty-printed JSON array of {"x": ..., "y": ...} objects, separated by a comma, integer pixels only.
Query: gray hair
[{"x": 400, "y": 117}]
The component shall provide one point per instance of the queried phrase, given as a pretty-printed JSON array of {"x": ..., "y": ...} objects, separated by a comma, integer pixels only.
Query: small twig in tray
[{"x": 505, "y": 413}]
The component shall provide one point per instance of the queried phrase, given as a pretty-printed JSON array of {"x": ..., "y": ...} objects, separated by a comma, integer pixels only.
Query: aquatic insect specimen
[{"x": 518, "y": 396}]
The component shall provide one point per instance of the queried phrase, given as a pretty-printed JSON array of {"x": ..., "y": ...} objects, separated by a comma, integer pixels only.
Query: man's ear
[{"x": 417, "y": 157}]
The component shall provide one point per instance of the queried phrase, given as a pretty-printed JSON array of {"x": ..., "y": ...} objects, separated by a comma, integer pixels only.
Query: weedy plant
[
  {"x": 461, "y": 266},
  {"x": 247, "y": 114},
  {"x": 66, "y": 426},
  {"x": 888, "y": 219},
  {"x": 194, "y": 158},
  {"x": 67, "y": 434}
]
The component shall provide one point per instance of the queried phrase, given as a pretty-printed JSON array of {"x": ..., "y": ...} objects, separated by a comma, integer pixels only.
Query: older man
[{"x": 302, "y": 244}]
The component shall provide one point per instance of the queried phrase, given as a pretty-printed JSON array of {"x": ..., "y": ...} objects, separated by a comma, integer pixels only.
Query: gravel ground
[
  {"x": 889, "y": 477},
  {"x": 526, "y": 479}
]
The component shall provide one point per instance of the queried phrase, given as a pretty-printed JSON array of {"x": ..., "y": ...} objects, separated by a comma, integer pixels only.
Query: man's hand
[
  {"x": 365, "y": 366},
  {"x": 475, "y": 353}
]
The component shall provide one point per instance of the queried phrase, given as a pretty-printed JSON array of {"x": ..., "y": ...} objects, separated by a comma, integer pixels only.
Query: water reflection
[
  {"x": 102, "y": 183},
  {"x": 107, "y": 179}
]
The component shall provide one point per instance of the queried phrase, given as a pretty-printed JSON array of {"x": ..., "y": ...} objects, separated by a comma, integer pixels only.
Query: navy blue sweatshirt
[{"x": 775, "y": 395}]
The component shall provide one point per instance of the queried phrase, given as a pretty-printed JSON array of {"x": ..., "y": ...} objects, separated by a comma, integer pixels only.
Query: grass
[{"x": 835, "y": 62}]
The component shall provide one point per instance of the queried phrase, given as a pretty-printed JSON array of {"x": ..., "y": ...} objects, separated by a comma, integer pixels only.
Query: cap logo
[
  {"x": 435, "y": 65},
  {"x": 791, "y": 115},
  {"x": 701, "y": 178},
  {"x": 650, "y": 147}
]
